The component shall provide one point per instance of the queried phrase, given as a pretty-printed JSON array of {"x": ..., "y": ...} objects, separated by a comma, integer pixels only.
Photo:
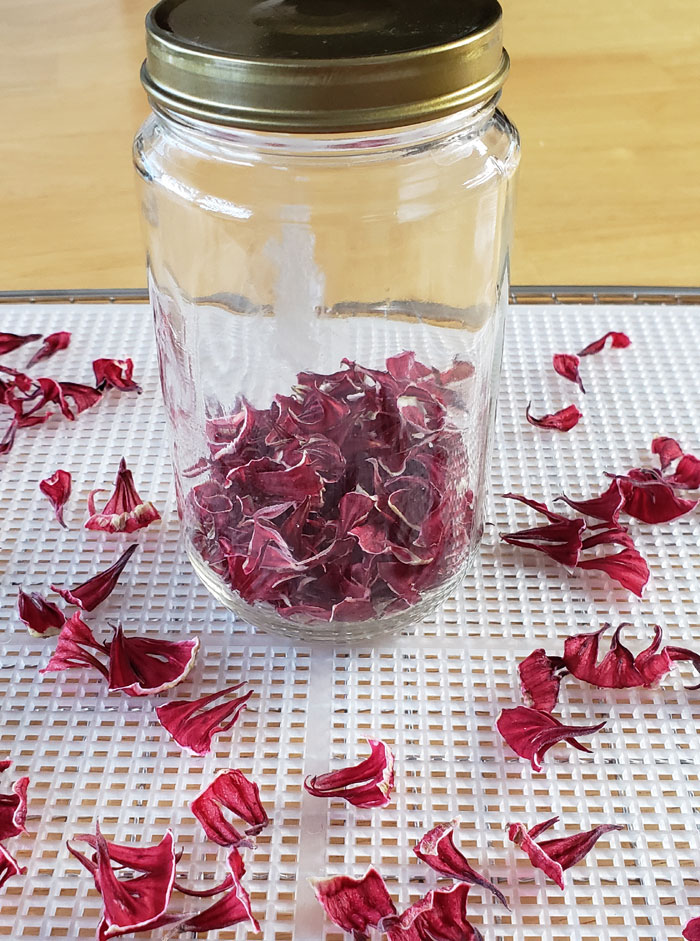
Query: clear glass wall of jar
[{"x": 329, "y": 312}]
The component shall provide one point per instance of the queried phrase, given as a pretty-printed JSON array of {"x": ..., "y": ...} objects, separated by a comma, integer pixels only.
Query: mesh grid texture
[{"x": 433, "y": 695}]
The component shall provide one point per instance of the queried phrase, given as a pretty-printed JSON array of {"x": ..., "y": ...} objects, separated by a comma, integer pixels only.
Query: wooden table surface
[{"x": 606, "y": 94}]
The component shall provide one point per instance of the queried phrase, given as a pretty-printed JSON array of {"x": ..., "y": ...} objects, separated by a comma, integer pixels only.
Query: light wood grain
[{"x": 606, "y": 96}]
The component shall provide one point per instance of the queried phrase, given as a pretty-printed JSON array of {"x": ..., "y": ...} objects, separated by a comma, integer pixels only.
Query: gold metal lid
[{"x": 322, "y": 65}]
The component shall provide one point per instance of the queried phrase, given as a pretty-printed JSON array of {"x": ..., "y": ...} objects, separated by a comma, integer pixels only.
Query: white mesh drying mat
[{"x": 434, "y": 696}]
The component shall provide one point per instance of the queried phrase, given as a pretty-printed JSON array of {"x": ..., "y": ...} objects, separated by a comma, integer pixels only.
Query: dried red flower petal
[
  {"x": 42, "y": 617},
  {"x": 566, "y": 364},
  {"x": 8, "y": 864},
  {"x": 627, "y": 567},
  {"x": 231, "y": 790},
  {"x": 691, "y": 932},
  {"x": 95, "y": 590},
  {"x": 606, "y": 507},
  {"x": 368, "y": 784},
  {"x": 52, "y": 344},
  {"x": 531, "y": 733},
  {"x": 83, "y": 396},
  {"x": 554, "y": 856},
  {"x": 441, "y": 915},
  {"x": 355, "y": 904},
  {"x": 116, "y": 373},
  {"x": 687, "y": 473},
  {"x": 12, "y": 341},
  {"x": 74, "y": 636},
  {"x": 619, "y": 341},
  {"x": 5, "y": 765},
  {"x": 651, "y": 498},
  {"x": 125, "y": 511},
  {"x": 540, "y": 679},
  {"x": 566, "y": 537},
  {"x": 341, "y": 501},
  {"x": 139, "y": 903},
  {"x": 13, "y": 810},
  {"x": 668, "y": 450},
  {"x": 230, "y": 910},
  {"x": 57, "y": 488},
  {"x": 193, "y": 726},
  {"x": 563, "y": 533},
  {"x": 619, "y": 668},
  {"x": 47, "y": 391},
  {"x": 144, "y": 666},
  {"x": 542, "y": 508},
  {"x": 563, "y": 420},
  {"x": 438, "y": 850}
]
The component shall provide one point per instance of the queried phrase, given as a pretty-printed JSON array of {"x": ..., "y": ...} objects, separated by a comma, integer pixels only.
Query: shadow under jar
[{"x": 326, "y": 189}]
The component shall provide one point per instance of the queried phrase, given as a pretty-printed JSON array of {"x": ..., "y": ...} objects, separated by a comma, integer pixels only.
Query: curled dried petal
[
  {"x": 12, "y": 341},
  {"x": 668, "y": 450},
  {"x": 441, "y": 915},
  {"x": 83, "y": 397},
  {"x": 560, "y": 541},
  {"x": 368, "y": 784},
  {"x": 76, "y": 635},
  {"x": 9, "y": 866},
  {"x": 125, "y": 511},
  {"x": 563, "y": 420},
  {"x": 438, "y": 850},
  {"x": 193, "y": 726},
  {"x": 232, "y": 909},
  {"x": 619, "y": 668},
  {"x": 687, "y": 473},
  {"x": 531, "y": 733},
  {"x": 627, "y": 567},
  {"x": 651, "y": 498},
  {"x": 554, "y": 856},
  {"x": 355, "y": 904},
  {"x": 540, "y": 679},
  {"x": 116, "y": 373},
  {"x": 42, "y": 617},
  {"x": 566, "y": 364},
  {"x": 619, "y": 341},
  {"x": 13, "y": 810},
  {"x": 606, "y": 507},
  {"x": 137, "y": 904},
  {"x": 232, "y": 791},
  {"x": 57, "y": 488},
  {"x": 542, "y": 508},
  {"x": 53, "y": 343},
  {"x": 144, "y": 666},
  {"x": 95, "y": 590}
]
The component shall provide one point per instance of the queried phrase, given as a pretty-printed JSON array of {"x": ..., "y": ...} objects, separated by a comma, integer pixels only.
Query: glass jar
[{"x": 328, "y": 269}]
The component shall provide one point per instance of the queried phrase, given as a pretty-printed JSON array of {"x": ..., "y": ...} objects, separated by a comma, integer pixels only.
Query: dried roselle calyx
[
  {"x": 52, "y": 344},
  {"x": 567, "y": 364},
  {"x": 345, "y": 501},
  {"x": 194, "y": 723},
  {"x": 368, "y": 784},
  {"x": 554, "y": 856},
  {"x": 619, "y": 341},
  {"x": 231, "y": 791},
  {"x": 355, "y": 905},
  {"x": 532, "y": 732},
  {"x": 563, "y": 420},
  {"x": 438, "y": 850}
]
